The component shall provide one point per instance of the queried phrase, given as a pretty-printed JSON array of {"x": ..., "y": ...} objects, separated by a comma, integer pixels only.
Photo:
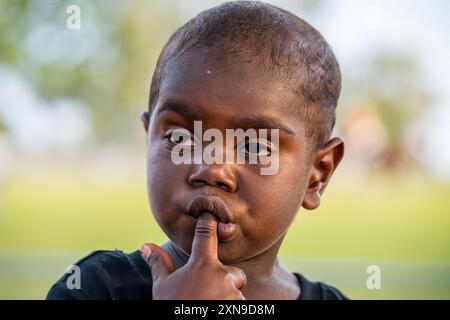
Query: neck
[
  {"x": 259, "y": 267},
  {"x": 263, "y": 270},
  {"x": 262, "y": 267}
]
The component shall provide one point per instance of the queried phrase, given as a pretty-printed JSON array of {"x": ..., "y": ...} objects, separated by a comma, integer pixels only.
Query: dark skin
[{"x": 229, "y": 95}]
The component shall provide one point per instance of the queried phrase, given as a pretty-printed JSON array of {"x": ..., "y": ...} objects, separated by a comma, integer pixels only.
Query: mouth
[{"x": 226, "y": 228}]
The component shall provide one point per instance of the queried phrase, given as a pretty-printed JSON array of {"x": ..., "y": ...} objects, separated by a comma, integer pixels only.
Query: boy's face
[{"x": 230, "y": 96}]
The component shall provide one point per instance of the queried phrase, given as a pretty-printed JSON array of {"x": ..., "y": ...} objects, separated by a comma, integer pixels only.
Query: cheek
[
  {"x": 164, "y": 182},
  {"x": 275, "y": 200},
  {"x": 162, "y": 173}
]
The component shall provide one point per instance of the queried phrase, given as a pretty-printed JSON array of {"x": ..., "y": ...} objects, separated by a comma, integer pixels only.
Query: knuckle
[
  {"x": 229, "y": 280},
  {"x": 242, "y": 274},
  {"x": 238, "y": 272},
  {"x": 224, "y": 272},
  {"x": 153, "y": 259},
  {"x": 204, "y": 230},
  {"x": 237, "y": 295}
]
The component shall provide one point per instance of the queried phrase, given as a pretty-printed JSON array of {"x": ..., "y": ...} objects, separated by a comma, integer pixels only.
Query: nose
[{"x": 216, "y": 175}]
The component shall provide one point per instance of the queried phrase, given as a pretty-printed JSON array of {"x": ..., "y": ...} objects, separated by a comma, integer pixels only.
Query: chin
[{"x": 229, "y": 253}]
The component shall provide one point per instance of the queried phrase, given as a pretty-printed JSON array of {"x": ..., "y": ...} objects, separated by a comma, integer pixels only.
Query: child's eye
[
  {"x": 180, "y": 136},
  {"x": 258, "y": 148}
]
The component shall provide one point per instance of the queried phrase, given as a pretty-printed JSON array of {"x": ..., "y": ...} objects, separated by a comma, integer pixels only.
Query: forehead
[{"x": 223, "y": 91}]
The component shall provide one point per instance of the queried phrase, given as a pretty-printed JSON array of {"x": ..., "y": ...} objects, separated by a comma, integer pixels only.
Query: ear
[
  {"x": 325, "y": 162},
  {"x": 145, "y": 118}
]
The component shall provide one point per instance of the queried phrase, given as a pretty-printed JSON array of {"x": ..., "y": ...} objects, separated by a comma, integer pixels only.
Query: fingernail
[{"x": 146, "y": 251}]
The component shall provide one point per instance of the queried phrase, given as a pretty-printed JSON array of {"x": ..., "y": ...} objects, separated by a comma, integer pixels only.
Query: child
[{"x": 241, "y": 65}]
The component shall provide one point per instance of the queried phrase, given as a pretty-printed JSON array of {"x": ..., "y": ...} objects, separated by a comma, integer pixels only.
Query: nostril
[
  {"x": 222, "y": 177},
  {"x": 202, "y": 183}
]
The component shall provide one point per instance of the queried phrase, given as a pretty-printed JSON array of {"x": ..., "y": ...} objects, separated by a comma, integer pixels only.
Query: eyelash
[
  {"x": 258, "y": 148},
  {"x": 169, "y": 135}
]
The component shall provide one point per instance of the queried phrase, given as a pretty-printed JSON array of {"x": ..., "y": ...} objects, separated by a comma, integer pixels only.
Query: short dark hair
[{"x": 285, "y": 44}]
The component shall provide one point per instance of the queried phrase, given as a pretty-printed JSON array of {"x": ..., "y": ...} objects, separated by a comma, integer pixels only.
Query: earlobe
[
  {"x": 145, "y": 118},
  {"x": 312, "y": 197},
  {"x": 325, "y": 163}
]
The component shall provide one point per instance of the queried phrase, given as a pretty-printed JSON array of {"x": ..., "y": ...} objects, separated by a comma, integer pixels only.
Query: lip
[
  {"x": 226, "y": 228},
  {"x": 214, "y": 205}
]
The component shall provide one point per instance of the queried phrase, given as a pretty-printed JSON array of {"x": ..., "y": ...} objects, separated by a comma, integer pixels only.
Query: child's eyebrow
[
  {"x": 263, "y": 122},
  {"x": 255, "y": 122},
  {"x": 177, "y": 107}
]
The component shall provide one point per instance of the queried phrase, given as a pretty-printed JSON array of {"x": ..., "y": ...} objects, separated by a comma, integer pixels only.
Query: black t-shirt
[{"x": 115, "y": 275}]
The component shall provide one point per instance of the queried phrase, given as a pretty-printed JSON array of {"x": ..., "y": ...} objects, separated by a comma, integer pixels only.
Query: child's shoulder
[
  {"x": 105, "y": 274},
  {"x": 311, "y": 290}
]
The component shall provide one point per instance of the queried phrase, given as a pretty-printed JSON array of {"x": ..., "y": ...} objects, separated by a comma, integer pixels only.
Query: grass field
[{"x": 402, "y": 224}]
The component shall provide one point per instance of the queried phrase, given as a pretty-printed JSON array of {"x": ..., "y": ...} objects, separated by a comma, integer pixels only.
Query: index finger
[{"x": 205, "y": 240}]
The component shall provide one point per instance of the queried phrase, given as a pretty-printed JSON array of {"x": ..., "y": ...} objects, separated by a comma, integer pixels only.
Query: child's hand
[{"x": 203, "y": 277}]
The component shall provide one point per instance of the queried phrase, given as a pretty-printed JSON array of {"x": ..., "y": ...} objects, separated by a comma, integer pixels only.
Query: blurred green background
[{"x": 72, "y": 149}]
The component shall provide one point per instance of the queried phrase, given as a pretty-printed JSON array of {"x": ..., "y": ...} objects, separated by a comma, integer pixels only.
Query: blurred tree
[
  {"x": 106, "y": 64},
  {"x": 393, "y": 85},
  {"x": 2, "y": 126}
]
